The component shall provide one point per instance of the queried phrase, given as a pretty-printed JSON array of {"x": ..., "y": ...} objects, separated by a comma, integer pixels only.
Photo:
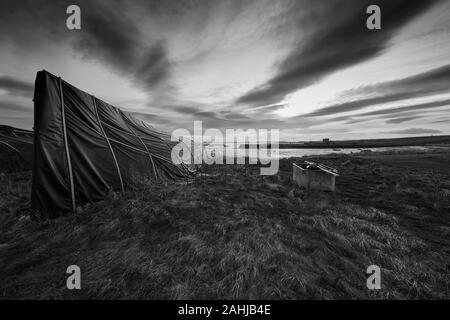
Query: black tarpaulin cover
[
  {"x": 20, "y": 143},
  {"x": 19, "y": 140},
  {"x": 84, "y": 147}
]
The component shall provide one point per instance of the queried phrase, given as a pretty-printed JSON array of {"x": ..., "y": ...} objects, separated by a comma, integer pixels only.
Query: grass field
[{"x": 230, "y": 233}]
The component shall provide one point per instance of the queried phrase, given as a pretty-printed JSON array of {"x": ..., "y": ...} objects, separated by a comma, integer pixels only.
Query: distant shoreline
[{"x": 366, "y": 143}]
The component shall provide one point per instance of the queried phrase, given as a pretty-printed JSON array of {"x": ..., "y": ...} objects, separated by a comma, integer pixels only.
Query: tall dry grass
[{"x": 229, "y": 233}]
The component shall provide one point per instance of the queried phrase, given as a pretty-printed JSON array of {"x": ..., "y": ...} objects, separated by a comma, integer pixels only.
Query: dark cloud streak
[
  {"x": 435, "y": 81},
  {"x": 401, "y": 120},
  {"x": 109, "y": 35},
  {"x": 15, "y": 108},
  {"x": 414, "y": 131},
  {"x": 16, "y": 87},
  {"x": 342, "y": 41},
  {"x": 420, "y": 106}
]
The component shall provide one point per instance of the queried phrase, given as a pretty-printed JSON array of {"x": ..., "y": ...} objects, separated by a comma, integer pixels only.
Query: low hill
[{"x": 369, "y": 143}]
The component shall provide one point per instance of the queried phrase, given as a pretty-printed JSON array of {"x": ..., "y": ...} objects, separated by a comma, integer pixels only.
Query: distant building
[{"x": 326, "y": 140}]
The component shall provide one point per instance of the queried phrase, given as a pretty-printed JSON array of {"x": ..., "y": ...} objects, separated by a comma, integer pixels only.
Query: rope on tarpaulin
[
  {"x": 109, "y": 145},
  {"x": 66, "y": 146}
]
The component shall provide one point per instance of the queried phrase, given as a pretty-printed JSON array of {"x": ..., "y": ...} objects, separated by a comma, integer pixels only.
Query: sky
[{"x": 310, "y": 68}]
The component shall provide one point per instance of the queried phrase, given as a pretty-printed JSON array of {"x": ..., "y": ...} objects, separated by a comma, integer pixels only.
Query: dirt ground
[{"x": 230, "y": 233}]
